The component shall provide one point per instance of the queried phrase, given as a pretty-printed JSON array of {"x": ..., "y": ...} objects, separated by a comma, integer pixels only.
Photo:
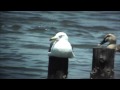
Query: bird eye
[{"x": 60, "y": 36}]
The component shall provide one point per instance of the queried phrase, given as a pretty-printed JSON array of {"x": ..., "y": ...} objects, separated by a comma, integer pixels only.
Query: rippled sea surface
[{"x": 24, "y": 41}]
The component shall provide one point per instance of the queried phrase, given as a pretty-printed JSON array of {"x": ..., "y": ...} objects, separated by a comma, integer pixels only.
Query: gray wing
[{"x": 51, "y": 44}]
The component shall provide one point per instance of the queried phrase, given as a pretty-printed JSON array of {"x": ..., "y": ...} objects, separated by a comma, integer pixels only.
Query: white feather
[{"x": 61, "y": 47}]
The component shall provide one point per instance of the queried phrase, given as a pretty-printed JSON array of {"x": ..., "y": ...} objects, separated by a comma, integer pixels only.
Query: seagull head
[
  {"x": 58, "y": 36},
  {"x": 109, "y": 38}
]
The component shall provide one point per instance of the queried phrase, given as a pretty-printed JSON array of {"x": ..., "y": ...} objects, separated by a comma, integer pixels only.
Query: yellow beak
[{"x": 53, "y": 39}]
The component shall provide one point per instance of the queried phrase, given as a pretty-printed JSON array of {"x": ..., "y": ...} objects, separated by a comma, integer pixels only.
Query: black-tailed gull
[{"x": 60, "y": 46}]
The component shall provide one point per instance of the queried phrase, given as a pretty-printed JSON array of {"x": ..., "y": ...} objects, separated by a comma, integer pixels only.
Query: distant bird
[
  {"x": 111, "y": 38},
  {"x": 60, "y": 46}
]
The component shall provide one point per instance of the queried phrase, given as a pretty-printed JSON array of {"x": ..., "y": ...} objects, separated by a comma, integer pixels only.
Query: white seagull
[
  {"x": 60, "y": 46},
  {"x": 111, "y": 38}
]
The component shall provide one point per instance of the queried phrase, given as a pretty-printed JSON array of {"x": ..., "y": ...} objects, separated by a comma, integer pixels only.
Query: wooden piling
[
  {"x": 57, "y": 68},
  {"x": 103, "y": 63}
]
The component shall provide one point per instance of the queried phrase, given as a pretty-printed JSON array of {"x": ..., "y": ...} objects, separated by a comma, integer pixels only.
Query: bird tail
[{"x": 73, "y": 55}]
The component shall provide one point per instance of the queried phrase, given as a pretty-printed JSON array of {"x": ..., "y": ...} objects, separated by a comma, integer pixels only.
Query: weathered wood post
[
  {"x": 57, "y": 67},
  {"x": 103, "y": 63}
]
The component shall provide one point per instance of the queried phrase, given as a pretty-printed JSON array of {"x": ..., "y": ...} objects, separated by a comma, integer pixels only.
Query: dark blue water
[{"x": 24, "y": 40}]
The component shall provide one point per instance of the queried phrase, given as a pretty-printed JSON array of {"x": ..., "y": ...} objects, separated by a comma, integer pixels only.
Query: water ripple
[{"x": 24, "y": 40}]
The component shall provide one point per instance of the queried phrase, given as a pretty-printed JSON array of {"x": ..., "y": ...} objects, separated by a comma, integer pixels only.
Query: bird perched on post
[
  {"x": 60, "y": 46},
  {"x": 111, "y": 38}
]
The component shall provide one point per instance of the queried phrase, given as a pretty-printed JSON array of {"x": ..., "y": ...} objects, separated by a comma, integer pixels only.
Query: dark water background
[{"x": 24, "y": 40}]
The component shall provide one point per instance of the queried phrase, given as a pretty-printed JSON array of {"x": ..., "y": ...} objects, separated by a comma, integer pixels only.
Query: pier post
[
  {"x": 103, "y": 63},
  {"x": 57, "y": 68}
]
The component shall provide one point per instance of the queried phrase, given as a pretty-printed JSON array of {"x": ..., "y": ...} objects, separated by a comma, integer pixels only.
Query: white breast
[{"x": 62, "y": 48}]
